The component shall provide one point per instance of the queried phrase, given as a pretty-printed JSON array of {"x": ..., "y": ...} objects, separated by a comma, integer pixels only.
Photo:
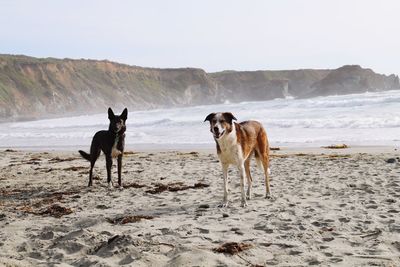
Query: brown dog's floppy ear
[
  {"x": 124, "y": 114},
  {"x": 209, "y": 117},
  {"x": 229, "y": 117},
  {"x": 110, "y": 114}
]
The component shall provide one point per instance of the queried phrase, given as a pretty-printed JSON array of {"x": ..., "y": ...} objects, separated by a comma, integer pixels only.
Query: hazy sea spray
[{"x": 369, "y": 118}]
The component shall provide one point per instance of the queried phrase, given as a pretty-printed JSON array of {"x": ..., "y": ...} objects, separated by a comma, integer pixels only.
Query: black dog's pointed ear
[
  {"x": 209, "y": 117},
  {"x": 229, "y": 117},
  {"x": 110, "y": 114},
  {"x": 124, "y": 114}
]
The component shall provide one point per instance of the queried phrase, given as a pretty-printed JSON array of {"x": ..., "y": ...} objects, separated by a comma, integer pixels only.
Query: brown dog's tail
[{"x": 84, "y": 155}]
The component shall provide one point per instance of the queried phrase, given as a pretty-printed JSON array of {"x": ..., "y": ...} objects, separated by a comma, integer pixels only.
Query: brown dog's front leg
[{"x": 224, "y": 203}]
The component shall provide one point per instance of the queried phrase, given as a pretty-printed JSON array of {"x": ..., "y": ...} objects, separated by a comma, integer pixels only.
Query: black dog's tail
[{"x": 84, "y": 155}]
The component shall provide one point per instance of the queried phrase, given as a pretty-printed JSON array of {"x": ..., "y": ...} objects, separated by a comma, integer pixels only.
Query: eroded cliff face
[
  {"x": 249, "y": 86},
  {"x": 351, "y": 79},
  {"x": 264, "y": 85},
  {"x": 33, "y": 88}
]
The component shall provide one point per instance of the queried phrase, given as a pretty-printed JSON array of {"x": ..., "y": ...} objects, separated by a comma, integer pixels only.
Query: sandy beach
[{"x": 330, "y": 208}]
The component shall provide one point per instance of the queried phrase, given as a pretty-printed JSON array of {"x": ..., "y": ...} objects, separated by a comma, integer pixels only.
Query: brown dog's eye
[
  {"x": 214, "y": 121},
  {"x": 222, "y": 121}
]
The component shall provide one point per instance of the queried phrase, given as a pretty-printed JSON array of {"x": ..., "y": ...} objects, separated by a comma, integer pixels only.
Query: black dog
[{"x": 111, "y": 142}]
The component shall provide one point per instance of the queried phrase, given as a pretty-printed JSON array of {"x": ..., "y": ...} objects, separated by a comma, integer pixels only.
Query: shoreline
[{"x": 351, "y": 149}]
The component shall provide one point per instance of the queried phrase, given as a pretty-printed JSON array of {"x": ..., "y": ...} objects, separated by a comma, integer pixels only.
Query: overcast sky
[{"x": 211, "y": 34}]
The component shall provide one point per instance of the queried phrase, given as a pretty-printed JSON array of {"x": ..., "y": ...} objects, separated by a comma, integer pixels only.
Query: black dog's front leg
[
  {"x": 108, "y": 166},
  {"x": 119, "y": 161},
  {"x": 120, "y": 146}
]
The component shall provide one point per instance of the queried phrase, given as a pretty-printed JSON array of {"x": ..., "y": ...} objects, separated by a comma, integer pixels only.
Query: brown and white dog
[{"x": 236, "y": 143}]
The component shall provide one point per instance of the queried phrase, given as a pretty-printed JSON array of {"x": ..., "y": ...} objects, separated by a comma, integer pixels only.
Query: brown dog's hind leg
[
  {"x": 266, "y": 173},
  {"x": 262, "y": 153},
  {"x": 249, "y": 178}
]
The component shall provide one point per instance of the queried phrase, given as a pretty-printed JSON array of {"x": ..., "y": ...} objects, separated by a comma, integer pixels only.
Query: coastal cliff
[
  {"x": 352, "y": 79},
  {"x": 33, "y": 88}
]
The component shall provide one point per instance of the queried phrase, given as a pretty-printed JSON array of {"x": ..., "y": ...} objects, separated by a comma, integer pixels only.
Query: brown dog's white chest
[{"x": 230, "y": 149}]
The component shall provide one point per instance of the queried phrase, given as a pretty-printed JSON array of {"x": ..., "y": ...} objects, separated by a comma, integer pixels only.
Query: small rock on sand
[{"x": 204, "y": 206}]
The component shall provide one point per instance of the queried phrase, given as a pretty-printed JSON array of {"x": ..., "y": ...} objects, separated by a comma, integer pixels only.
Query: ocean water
[{"x": 357, "y": 119}]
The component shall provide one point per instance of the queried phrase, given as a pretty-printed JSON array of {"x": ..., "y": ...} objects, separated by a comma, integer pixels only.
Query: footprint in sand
[
  {"x": 36, "y": 255},
  {"x": 47, "y": 235},
  {"x": 344, "y": 219},
  {"x": 127, "y": 260}
]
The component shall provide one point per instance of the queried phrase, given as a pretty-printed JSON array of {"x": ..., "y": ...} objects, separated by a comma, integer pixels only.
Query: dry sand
[{"x": 336, "y": 209}]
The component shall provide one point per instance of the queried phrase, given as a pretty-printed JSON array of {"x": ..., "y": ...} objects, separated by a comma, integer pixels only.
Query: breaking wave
[{"x": 372, "y": 117}]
